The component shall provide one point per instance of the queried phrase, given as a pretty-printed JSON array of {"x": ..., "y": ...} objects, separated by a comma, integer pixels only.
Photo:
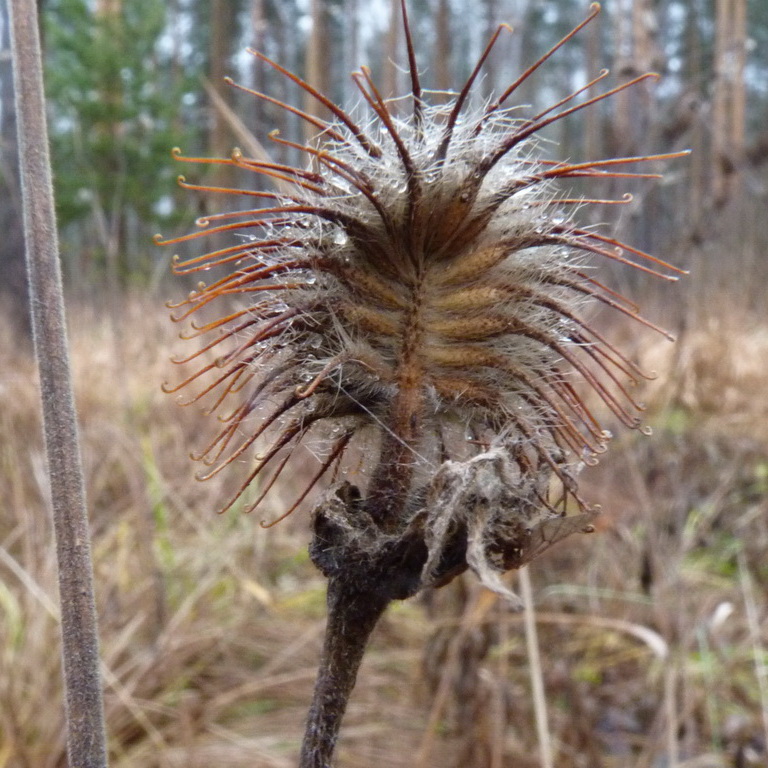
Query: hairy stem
[
  {"x": 86, "y": 738},
  {"x": 352, "y": 615}
]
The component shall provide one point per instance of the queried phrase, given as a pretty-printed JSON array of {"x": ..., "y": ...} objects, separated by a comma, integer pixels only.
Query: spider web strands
[
  {"x": 542, "y": 299},
  {"x": 628, "y": 308},
  {"x": 379, "y": 106},
  {"x": 238, "y": 160},
  {"x": 418, "y": 103},
  {"x": 626, "y": 198},
  {"x": 539, "y": 121},
  {"x": 321, "y": 125},
  {"x": 201, "y": 299},
  {"x": 565, "y": 169},
  {"x": 242, "y": 414},
  {"x": 338, "y": 449},
  {"x": 594, "y": 381},
  {"x": 594, "y": 10},
  {"x": 231, "y": 332},
  {"x": 573, "y": 434},
  {"x": 343, "y": 170},
  {"x": 598, "y": 344},
  {"x": 579, "y": 239},
  {"x": 328, "y": 214},
  {"x": 297, "y": 428},
  {"x": 599, "y": 174},
  {"x": 184, "y": 184},
  {"x": 445, "y": 142},
  {"x": 253, "y": 248},
  {"x": 543, "y": 452},
  {"x": 364, "y": 141},
  {"x": 273, "y": 329},
  {"x": 601, "y": 76},
  {"x": 625, "y": 247},
  {"x": 332, "y": 364},
  {"x": 261, "y": 309}
]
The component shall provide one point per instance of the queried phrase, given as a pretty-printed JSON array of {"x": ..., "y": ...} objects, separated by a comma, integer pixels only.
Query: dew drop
[{"x": 340, "y": 237}]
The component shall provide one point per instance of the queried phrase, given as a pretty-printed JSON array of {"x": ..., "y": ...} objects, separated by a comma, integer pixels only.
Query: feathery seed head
[{"x": 417, "y": 293}]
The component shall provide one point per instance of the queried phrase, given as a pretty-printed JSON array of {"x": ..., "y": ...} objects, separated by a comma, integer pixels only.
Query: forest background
[{"x": 653, "y": 632}]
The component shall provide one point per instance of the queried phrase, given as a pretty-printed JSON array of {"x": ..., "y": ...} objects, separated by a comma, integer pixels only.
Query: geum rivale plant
[{"x": 413, "y": 309}]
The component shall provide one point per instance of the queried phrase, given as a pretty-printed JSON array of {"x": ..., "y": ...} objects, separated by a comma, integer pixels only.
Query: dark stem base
[
  {"x": 352, "y": 615},
  {"x": 367, "y": 568}
]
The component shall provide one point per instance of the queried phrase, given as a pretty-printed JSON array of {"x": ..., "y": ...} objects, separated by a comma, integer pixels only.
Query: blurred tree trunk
[
  {"x": 259, "y": 32},
  {"x": 389, "y": 71},
  {"x": 729, "y": 103},
  {"x": 353, "y": 58},
  {"x": 635, "y": 125},
  {"x": 489, "y": 83},
  {"x": 286, "y": 54},
  {"x": 223, "y": 28},
  {"x": 443, "y": 58},
  {"x": 109, "y": 216},
  {"x": 12, "y": 266},
  {"x": 318, "y": 59},
  {"x": 636, "y": 54},
  {"x": 593, "y": 63},
  {"x": 697, "y": 164}
]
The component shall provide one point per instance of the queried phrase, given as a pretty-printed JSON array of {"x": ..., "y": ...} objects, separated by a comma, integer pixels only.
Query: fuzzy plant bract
[{"x": 418, "y": 291}]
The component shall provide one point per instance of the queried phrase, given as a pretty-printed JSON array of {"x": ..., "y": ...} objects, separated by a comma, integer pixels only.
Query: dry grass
[{"x": 652, "y": 632}]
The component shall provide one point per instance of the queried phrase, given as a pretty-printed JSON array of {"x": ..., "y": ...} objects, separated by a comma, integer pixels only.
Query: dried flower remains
[{"x": 418, "y": 294}]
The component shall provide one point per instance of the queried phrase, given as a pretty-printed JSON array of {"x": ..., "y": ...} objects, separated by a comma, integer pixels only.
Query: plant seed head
[{"x": 414, "y": 294}]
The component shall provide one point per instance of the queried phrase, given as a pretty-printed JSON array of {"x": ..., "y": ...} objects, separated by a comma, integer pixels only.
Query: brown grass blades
[
  {"x": 228, "y": 678},
  {"x": 421, "y": 299}
]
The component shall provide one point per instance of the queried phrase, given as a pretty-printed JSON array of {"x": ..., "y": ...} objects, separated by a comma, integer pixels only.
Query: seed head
[{"x": 415, "y": 294}]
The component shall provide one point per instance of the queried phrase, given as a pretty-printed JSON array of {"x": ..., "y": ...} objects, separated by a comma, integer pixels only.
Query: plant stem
[
  {"x": 352, "y": 615},
  {"x": 86, "y": 738}
]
